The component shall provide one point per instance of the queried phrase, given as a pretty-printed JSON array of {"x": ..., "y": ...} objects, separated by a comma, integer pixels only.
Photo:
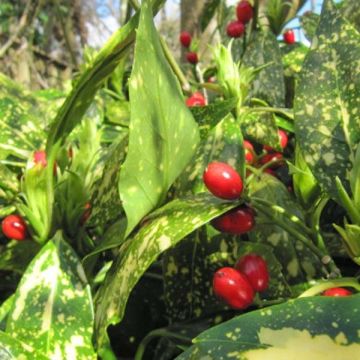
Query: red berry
[
  {"x": 244, "y": 11},
  {"x": 289, "y": 37},
  {"x": 40, "y": 158},
  {"x": 255, "y": 269},
  {"x": 196, "y": 99},
  {"x": 192, "y": 58},
  {"x": 236, "y": 221},
  {"x": 337, "y": 292},
  {"x": 271, "y": 157},
  {"x": 185, "y": 39},
  {"x": 223, "y": 181},
  {"x": 233, "y": 287},
  {"x": 249, "y": 152},
  {"x": 14, "y": 227},
  {"x": 235, "y": 29},
  {"x": 283, "y": 139}
]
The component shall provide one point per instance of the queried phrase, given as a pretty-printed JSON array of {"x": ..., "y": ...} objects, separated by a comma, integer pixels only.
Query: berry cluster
[
  {"x": 224, "y": 182},
  {"x": 244, "y": 13},
  {"x": 185, "y": 40},
  {"x": 237, "y": 286}
]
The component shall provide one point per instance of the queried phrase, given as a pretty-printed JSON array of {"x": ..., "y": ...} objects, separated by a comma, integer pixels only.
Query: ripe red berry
[
  {"x": 337, "y": 292},
  {"x": 271, "y": 157},
  {"x": 235, "y": 29},
  {"x": 196, "y": 99},
  {"x": 185, "y": 39},
  {"x": 255, "y": 269},
  {"x": 283, "y": 139},
  {"x": 249, "y": 152},
  {"x": 236, "y": 221},
  {"x": 223, "y": 181},
  {"x": 40, "y": 158},
  {"x": 233, "y": 288},
  {"x": 244, "y": 11},
  {"x": 289, "y": 37},
  {"x": 14, "y": 227},
  {"x": 192, "y": 58}
]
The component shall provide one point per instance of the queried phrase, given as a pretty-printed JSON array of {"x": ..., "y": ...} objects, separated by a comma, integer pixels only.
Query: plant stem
[
  {"x": 324, "y": 257},
  {"x": 154, "y": 334},
  {"x": 321, "y": 286}
]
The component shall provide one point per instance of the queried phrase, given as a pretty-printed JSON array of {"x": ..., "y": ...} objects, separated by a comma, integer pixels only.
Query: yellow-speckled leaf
[
  {"x": 317, "y": 328},
  {"x": 327, "y": 103},
  {"x": 163, "y": 135},
  {"x": 52, "y": 310},
  {"x": 13, "y": 349}
]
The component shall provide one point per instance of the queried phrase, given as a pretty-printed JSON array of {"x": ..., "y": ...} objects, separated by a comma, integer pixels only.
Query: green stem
[
  {"x": 324, "y": 257},
  {"x": 280, "y": 210},
  {"x": 321, "y": 286},
  {"x": 154, "y": 334}
]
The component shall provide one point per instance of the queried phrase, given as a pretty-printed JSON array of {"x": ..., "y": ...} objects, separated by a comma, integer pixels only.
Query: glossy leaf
[
  {"x": 269, "y": 83},
  {"x": 161, "y": 230},
  {"x": 209, "y": 116},
  {"x": 93, "y": 77},
  {"x": 327, "y": 128},
  {"x": 223, "y": 143},
  {"x": 297, "y": 261},
  {"x": 13, "y": 349},
  {"x": 163, "y": 134},
  {"x": 309, "y": 22},
  {"x": 261, "y": 127},
  {"x": 52, "y": 308},
  {"x": 105, "y": 203},
  {"x": 324, "y": 327},
  {"x": 17, "y": 254}
]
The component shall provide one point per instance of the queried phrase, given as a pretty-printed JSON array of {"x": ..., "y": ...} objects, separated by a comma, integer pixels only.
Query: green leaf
[
  {"x": 326, "y": 103},
  {"x": 294, "y": 59},
  {"x": 351, "y": 11},
  {"x": 13, "y": 349},
  {"x": 163, "y": 134},
  {"x": 223, "y": 143},
  {"x": 208, "y": 12},
  {"x": 17, "y": 254},
  {"x": 309, "y": 22},
  {"x": 105, "y": 202},
  {"x": 261, "y": 127},
  {"x": 161, "y": 230},
  {"x": 315, "y": 327},
  {"x": 52, "y": 309},
  {"x": 8, "y": 179},
  {"x": 298, "y": 262},
  {"x": 82, "y": 95},
  {"x": 4, "y": 311},
  {"x": 269, "y": 83},
  {"x": 209, "y": 116}
]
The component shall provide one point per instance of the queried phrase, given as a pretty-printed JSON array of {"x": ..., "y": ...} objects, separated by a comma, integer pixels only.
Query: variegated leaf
[
  {"x": 327, "y": 127},
  {"x": 298, "y": 262},
  {"x": 163, "y": 134},
  {"x": 269, "y": 83},
  {"x": 4, "y": 311},
  {"x": 13, "y": 349},
  {"x": 309, "y": 22},
  {"x": 309, "y": 328},
  {"x": 223, "y": 143},
  {"x": 52, "y": 310},
  {"x": 161, "y": 230},
  {"x": 105, "y": 204}
]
